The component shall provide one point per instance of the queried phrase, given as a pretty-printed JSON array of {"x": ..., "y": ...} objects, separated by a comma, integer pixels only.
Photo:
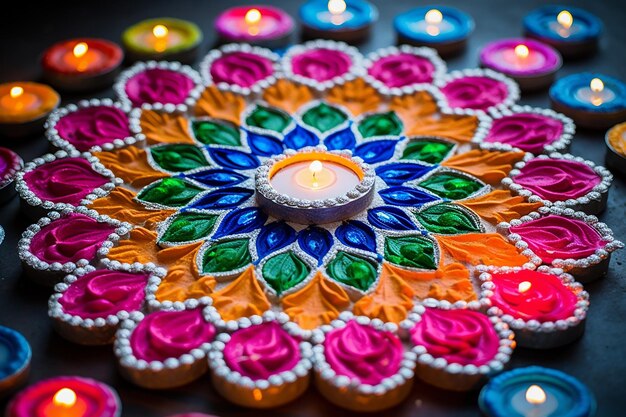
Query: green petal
[
  {"x": 284, "y": 271},
  {"x": 447, "y": 219},
  {"x": 226, "y": 256},
  {"x": 178, "y": 158},
  {"x": 324, "y": 117},
  {"x": 172, "y": 192},
  {"x": 412, "y": 251},
  {"x": 381, "y": 124},
  {"x": 268, "y": 118},
  {"x": 451, "y": 186},
  {"x": 212, "y": 132},
  {"x": 189, "y": 226},
  {"x": 352, "y": 270},
  {"x": 427, "y": 151}
]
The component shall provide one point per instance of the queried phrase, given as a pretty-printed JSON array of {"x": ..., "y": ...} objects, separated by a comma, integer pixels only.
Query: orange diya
[{"x": 24, "y": 107}]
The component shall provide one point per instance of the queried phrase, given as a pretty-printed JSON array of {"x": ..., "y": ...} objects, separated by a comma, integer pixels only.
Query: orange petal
[
  {"x": 456, "y": 127},
  {"x": 449, "y": 282},
  {"x": 391, "y": 300},
  {"x": 119, "y": 204},
  {"x": 287, "y": 95},
  {"x": 481, "y": 248},
  {"x": 356, "y": 95},
  {"x": 164, "y": 127},
  {"x": 139, "y": 247},
  {"x": 413, "y": 106},
  {"x": 319, "y": 302},
  {"x": 489, "y": 166},
  {"x": 131, "y": 165},
  {"x": 220, "y": 104},
  {"x": 182, "y": 280},
  {"x": 243, "y": 297},
  {"x": 500, "y": 206}
]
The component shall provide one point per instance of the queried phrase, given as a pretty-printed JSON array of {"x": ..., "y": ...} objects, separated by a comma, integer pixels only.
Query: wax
[
  {"x": 24, "y": 107},
  {"x": 258, "y": 25},
  {"x": 347, "y": 21}
]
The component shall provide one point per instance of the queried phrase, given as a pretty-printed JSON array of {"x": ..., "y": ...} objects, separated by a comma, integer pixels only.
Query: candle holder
[
  {"x": 10, "y": 165},
  {"x": 616, "y": 148},
  {"x": 313, "y": 210},
  {"x": 545, "y": 308},
  {"x": 15, "y": 363},
  {"x": 267, "y": 26},
  {"x": 594, "y": 101},
  {"x": 82, "y": 397},
  {"x": 24, "y": 107},
  {"x": 531, "y": 64},
  {"x": 562, "y": 180},
  {"x": 574, "y": 32},
  {"x": 446, "y": 29},
  {"x": 163, "y": 38},
  {"x": 348, "y": 21},
  {"x": 534, "y": 391},
  {"x": 78, "y": 65}
]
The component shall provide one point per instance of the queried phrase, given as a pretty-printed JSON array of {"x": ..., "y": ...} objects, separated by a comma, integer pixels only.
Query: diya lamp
[
  {"x": 82, "y": 64},
  {"x": 530, "y": 63},
  {"x": 445, "y": 29},
  {"x": 265, "y": 26},
  {"x": 536, "y": 391},
  {"x": 24, "y": 107},
  {"x": 616, "y": 148},
  {"x": 594, "y": 101},
  {"x": 349, "y": 21},
  {"x": 66, "y": 397},
  {"x": 15, "y": 356},
  {"x": 163, "y": 38},
  {"x": 572, "y": 31}
]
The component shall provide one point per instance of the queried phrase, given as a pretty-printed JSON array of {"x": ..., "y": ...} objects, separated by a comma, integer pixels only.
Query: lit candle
[
  {"x": 66, "y": 397},
  {"x": 530, "y": 63},
  {"x": 24, "y": 107},
  {"x": 162, "y": 39},
  {"x": 315, "y": 180},
  {"x": 348, "y": 21},
  {"x": 445, "y": 28},
  {"x": 592, "y": 100},
  {"x": 572, "y": 31},
  {"x": 82, "y": 64},
  {"x": 259, "y": 25},
  {"x": 15, "y": 353}
]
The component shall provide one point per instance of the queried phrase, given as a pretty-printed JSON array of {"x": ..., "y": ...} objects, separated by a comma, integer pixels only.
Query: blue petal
[
  {"x": 231, "y": 158},
  {"x": 263, "y": 145},
  {"x": 217, "y": 177},
  {"x": 340, "y": 140},
  {"x": 223, "y": 198},
  {"x": 399, "y": 173},
  {"x": 357, "y": 235},
  {"x": 390, "y": 218},
  {"x": 406, "y": 196},
  {"x": 240, "y": 221},
  {"x": 316, "y": 242},
  {"x": 299, "y": 138},
  {"x": 376, "y": 151},
  {"x": 274, "y": 236}
]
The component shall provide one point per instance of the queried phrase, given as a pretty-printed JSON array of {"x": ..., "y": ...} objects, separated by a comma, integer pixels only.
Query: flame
[
  {"x": 524, "y": 286},
  {"x": 16, "y": 91},
  {"x": 253, "y": 16},
  {"x": 316, "y": 167},
  {"x": 64, "y": 397},
  {"x": 160, "y": 31},
  {"x": 535, "y": 395},
  {"x": 596, "y": 85},
  {"x": 565, "y": 19},
  {"x": 336, "y": 7},
  {"x": 521, "y": 51},
  {"x": 433, "y": 17},
  {"x": 80, "y": 49}
]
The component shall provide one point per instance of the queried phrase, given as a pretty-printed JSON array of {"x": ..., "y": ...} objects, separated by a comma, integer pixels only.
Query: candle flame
[
  {"x": 433, "y": 17},
  {"x": 521, "y": 51},
  {"x": 80, "y": 49},
  {"x": 524, "y": 286},
  {"x": 535, "y": 395},
  {"x": 160, "y": 31},
  {"x": 565, "y": 19},
  {"x": 253, "y": 16},
  {"x": 316, "y": 167},
  {"x": 64, "y": 397},
  {"x": 16, "y": 91},
  {"x": 336, "y": 7},
  {"x": 596, "y": 85}
]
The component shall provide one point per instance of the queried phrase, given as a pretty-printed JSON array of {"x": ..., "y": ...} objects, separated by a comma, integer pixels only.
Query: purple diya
[
  {"x": 265, "y": 26},
  {"x": 10, "y": 164},
  {"x": 531, "y": 63}
]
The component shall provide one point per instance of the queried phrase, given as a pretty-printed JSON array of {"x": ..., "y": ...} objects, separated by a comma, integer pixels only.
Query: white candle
[
  {"x": 596, "y": 93},
  {"x": 534, "y": 402},
  {"x": 337, "y": 13},
  {"x": 434, "y": 23}
]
